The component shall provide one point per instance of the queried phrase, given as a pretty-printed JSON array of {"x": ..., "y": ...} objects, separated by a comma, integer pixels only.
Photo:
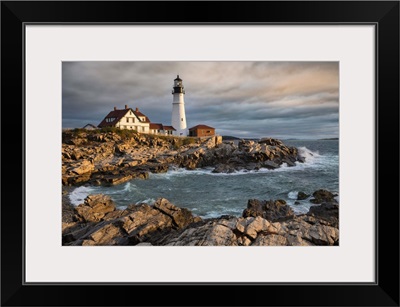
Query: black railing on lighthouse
[{"x": 178, "y": 89}]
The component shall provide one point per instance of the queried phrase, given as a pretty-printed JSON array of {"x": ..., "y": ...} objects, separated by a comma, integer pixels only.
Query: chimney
[
  {"x": 126, "y": 107},
  {"x": 115, "y": 108},
  {"x": 137, "y": 110}
]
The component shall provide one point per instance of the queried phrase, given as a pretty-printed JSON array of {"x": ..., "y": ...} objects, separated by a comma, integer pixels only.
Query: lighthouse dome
[{"x": 177, "y": 78}]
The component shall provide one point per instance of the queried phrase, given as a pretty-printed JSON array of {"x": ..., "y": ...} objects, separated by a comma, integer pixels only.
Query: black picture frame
[{"x": 383, "y": 14}]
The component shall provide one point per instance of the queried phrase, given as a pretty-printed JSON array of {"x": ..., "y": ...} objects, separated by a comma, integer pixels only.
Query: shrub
[{"x": 123, "y": 133}]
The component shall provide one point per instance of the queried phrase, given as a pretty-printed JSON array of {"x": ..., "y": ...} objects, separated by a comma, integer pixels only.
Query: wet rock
[
  {"x": 270, "y": 164},
  {"x": 302, "y": 196},
  {"x": 224, "y": 168},
  {"x": 321, "y": 196}
]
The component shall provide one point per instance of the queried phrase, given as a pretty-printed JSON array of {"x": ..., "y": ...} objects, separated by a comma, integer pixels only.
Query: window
[
  {"x": 142, "y": 128},
  {"x": 182, "y": 119}
]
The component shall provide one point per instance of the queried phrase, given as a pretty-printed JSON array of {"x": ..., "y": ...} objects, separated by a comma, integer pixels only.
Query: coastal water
[{"x": 211, "y": 195}]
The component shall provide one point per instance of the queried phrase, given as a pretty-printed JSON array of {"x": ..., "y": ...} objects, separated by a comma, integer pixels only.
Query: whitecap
[
  {"x": 293, "y": 194},
  {"x": 148, "y": 201},
  {"x": 308, "y": 154},
  {"x": 78, "y": 195}
]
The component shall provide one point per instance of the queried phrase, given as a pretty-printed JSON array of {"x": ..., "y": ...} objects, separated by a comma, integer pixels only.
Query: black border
[{"x": 383, "y": 14}]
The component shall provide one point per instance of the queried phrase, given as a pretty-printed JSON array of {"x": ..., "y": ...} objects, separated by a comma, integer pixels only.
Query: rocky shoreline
[
  {"x": 263, "y": 223},
  {"x": 114, "y": 157},
  {"x": 109, "y": 158}
]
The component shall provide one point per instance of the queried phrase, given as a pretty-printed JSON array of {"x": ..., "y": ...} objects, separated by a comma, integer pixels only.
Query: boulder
[
  {"x": 219, "y": 235},
  {"x": 270, "y": 141},
  {"x": 321, "y": 196},
  {"x": 328, "y": 212},
  {"x": 83, "y": 167},
  {"x": 270, "y": 240},
  {"x": 224, "y": 168},
  {"x": 270, "y": 210},
  {"x": 324, "y": 235},
  {"x": 95, "y": 207},
  {"x": 180, "y": 216},
  {"x": 270, "y": 164},
  {"x": 302, "y": 195}
]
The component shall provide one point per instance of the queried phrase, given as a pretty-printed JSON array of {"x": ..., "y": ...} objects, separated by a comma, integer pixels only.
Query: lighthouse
[{"x": 178, "y": 108}]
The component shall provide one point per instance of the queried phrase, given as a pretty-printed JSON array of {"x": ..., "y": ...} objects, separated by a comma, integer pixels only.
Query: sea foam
[{"x": 78, "y": 195}]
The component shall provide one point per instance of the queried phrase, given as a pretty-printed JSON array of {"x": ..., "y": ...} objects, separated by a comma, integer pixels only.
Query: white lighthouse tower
[{"x": 178, "y": 108}]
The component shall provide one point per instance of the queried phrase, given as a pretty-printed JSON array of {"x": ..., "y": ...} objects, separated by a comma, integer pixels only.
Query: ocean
[{"x": 209, "y": 195}]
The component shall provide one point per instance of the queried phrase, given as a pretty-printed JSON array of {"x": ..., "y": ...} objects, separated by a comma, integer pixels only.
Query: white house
[
  {"x": 134, "y": 120},
  {"x": 161, "y": 129},
  {"x": 127, "y": 119}
]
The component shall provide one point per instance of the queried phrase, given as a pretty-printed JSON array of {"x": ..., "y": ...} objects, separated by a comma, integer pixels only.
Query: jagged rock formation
[
  {"x": 264, "y": 223},
  {"x": 100, "y": 158}
]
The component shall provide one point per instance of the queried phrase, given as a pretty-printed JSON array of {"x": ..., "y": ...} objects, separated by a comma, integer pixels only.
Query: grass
[{"x": 175, "y": 141}]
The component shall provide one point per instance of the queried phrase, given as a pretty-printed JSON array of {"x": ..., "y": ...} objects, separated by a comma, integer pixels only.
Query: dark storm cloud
[{"x": 245, "y": 99}]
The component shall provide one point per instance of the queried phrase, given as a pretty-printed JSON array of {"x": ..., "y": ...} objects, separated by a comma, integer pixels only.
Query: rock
[
  {"x": 270, "y": 210},
  {"x": 219, "y": 235},
  {"x": 288, "y": 162},
  {"x": 301, "y": 159},
  {"x": 326, "y": 211},
  {"x": 270, "y": 165},
  {"x": 224, "y": 168},
  {"x": 105, "y": 235},
  {"x": 181, "y": 216},
  {"x": 257, "y": 225},
  {"x": 321, "y": 196},
  {"x": 324, "y": 235},
  {"x": 270, "y": 240},
  {"x": 165, "y": 224},
  {"x": 95, "y": 207},
  {"x": 270, "y": 141},
  {"x": 83, "y": 167},
  {"x": 254, "y": 208},
  {"x": 142, "y": 220},
  {"x": 302, "y": 195}
]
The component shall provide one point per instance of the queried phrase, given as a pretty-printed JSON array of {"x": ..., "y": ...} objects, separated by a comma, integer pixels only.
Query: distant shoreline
[{"x": 234, "y": 138}]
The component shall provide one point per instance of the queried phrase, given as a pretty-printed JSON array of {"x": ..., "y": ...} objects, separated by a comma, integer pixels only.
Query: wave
[
  {"x": 308, "y": 154},
  {"x": 78, "y": 195},
  {"x": 293, "y": 195},
  {"x": 149, "y": 201},
  {"x": 129, "y": 187}
]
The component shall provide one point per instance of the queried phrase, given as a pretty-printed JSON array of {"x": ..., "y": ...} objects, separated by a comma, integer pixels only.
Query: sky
[{"x": 243, "y": 99}]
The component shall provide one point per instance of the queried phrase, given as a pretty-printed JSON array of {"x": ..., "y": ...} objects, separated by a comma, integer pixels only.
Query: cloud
[{"x": 291, "y": 99}]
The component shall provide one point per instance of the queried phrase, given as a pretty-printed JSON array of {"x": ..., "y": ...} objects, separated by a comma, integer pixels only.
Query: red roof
[
  {"x": 118, "y": 114},
  {"x": 201, "y": 127},
  {"x": 161, "y": 127},
  {"x": 156, "y": 126},
  {"x": 169, "y": 128},
  {"x": 138, "y": 113}
]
